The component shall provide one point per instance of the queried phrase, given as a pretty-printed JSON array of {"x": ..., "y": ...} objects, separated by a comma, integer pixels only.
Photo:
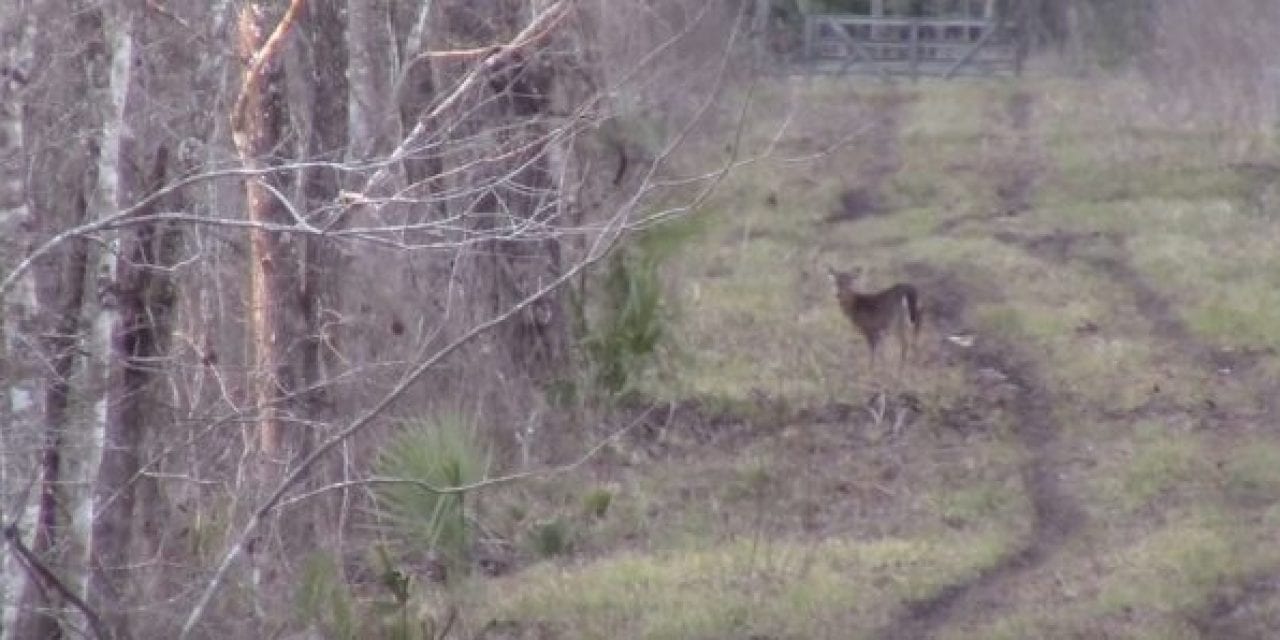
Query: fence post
[
  {"x": 808, "y": 40},
  {"x": 914, "y": 51}
]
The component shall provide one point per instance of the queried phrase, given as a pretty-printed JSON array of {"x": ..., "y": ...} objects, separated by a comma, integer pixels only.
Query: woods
[
  {"x": 244, "y": 239},
  {"x": 288, "y": 286}
]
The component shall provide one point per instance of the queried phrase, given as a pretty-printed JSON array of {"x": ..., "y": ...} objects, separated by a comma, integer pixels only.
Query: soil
[
  {"x": 1244, "y": 611},
  {"x": 881, "y": 162},
  {"x": 1107, "y": 254},
  {"x": 1019, "y": 167},
  {"x": 1003, "y": 380},
  {"x": 1241, "y": 610},
  {"x": 1022, "y": 393}
]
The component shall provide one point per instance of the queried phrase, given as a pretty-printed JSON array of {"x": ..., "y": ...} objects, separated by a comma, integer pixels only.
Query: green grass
[
  {"x": 1171, "y": 570},
  {"x": 1149, "y": 462},
  {"x": 1227, "y": 294},
  {"x": 1145, "y": 583},
  {"x": 1252, "y": 473},
  {"x": 822, "y": 589},
  {"x": 767, "y": 524},
  {"x": 981, "y": 503}
]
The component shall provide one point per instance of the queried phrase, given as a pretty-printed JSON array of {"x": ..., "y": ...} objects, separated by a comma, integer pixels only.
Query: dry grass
[
  {"x": 786, "y": 525},
  {"x": 835, "y": 588}
]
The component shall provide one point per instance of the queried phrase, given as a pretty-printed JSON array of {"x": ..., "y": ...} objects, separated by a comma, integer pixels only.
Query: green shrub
[
  {"x": 441, "y": 452},
  {"x": 623, "y": 322},
  {"x": 551, "y": 538},
  {"x": 323, "y": 600},
  {"x": 631, "y": 327},
  {"x": 596, "y": 502}
]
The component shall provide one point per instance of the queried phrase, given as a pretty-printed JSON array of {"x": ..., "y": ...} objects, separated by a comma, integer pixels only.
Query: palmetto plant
[{"x": 439, "y": 452}]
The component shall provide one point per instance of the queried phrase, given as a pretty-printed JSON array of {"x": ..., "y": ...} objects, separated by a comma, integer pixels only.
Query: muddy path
[
  {"x": 1011, "y": 385},
  {"x": 1107, "y": 255},
  {"x": 1236, "y": 610},
  {"x": 1019, "y": 393},
  {"x": 881, "y": 160},
  {"x": 1011, "y": 165},
  {"x": 1018, "y": 161},
  {"x": 1244, "y": 611}
]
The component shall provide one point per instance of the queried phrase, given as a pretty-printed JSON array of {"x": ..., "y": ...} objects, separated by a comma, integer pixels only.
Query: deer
[{"x": 873, "y": 314}]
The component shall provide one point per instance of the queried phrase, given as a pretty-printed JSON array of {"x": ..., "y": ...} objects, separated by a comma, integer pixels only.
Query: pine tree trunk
[
  {"x": 136, "y": 307},
  {"x": 55, "y": 192},
  {"x": 257, "y": 126}
]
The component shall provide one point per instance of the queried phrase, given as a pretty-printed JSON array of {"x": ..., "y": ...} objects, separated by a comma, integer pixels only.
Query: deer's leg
[
  {"x": 873, "y": 344},
  {"x": 871, "y": 353},
  {"x": 904, "y": 343},
  {"x": 914, "y": 335}
]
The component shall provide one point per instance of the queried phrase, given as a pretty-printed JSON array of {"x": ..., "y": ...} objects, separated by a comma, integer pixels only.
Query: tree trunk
[
  {"x": 326, "y": 139},
  {"x": 51, "y": 309},
  {"x": 38, "y": 612},
  {"x": 525, "y": 191},
  {"x": 317, "y": 71},
  {"x": 257, "y": 126},
  {"x": 259, "y": 119},
  {"x": 137, "y": 304},
  {"x": 367, "y": 77},
  {"x": 416, "y": 89}
]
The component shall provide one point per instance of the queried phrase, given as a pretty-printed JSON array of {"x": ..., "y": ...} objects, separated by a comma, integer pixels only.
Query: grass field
[{"x": 1102, "y": 461}]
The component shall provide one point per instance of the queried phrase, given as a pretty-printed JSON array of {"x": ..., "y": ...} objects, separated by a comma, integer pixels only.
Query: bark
[
  {"x": 38, "y": 616},
  {"x": 316, "y": 70},
  {"x": 416, "y": 89},
  {"x": 259, "y": 121},
  {"x": 538, "y": 340},
  {"x": 319, "y": 297},
  {"x": 516, "y": 190},
  {"x": 257, "y": 126},
  {"x": 143, "y": 297},
  {"x": 759, "y": 30},
  {"x": 137, "y": 304},
  {"x": 55, "y": 183},
  {"x": 369, "y": 47}
]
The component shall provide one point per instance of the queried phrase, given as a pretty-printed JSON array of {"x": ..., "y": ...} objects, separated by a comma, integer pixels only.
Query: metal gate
[{"x": 914, "y": 46}]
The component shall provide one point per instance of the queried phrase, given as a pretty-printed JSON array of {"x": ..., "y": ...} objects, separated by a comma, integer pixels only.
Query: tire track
[
  {"x": 1231, "y": 610},
  {"x": 1055, "y": 515},
  {"x": 1014, "y": 169},
  {"x": 1018, "y": 161},
  {"x": 1167, "y": 326},
  {"x": 883, "y": 159}
]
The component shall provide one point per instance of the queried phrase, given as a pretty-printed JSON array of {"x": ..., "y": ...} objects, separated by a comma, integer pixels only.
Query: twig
[
  {"x": 608, "y": 236},
  {"x": 537, "y": 27},
  {"x": 42, "y": 573},
  {"x": 473, "y": 486},
  {"x": 255, "y": 75}
]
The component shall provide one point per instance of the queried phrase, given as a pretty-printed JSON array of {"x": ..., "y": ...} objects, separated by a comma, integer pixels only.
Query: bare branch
[
  {"x": 255, "y": 75},
  {"x": 536, "y": 29},
  {"x": 605, "y": 241},
  {"x": 43, "y": 575},
  {"x": 479, "y": 484}
]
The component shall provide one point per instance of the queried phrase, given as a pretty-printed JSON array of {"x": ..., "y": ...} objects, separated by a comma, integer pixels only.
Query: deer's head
[{"x": 844, "y": 280}]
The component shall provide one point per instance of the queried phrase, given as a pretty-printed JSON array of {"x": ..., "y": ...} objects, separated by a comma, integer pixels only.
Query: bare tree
[
  {"x": 272, "y": 231},
  {"x": 59, "y": 180}
]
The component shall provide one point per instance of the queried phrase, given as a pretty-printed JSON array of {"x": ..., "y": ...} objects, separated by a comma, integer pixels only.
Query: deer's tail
[{"x": 911, "y": 302}]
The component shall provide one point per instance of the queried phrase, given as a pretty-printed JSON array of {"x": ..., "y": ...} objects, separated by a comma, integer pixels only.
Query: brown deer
[{"x": 873, "y": 314}]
